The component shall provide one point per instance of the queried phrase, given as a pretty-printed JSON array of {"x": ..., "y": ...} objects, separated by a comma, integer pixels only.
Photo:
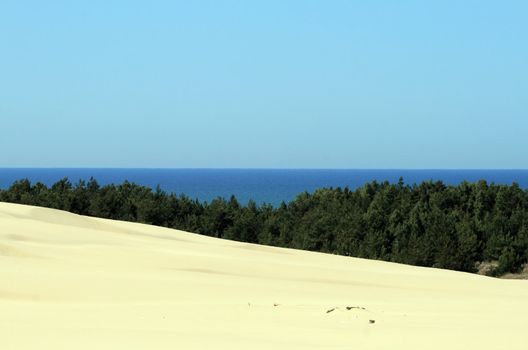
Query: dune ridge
[{"x": 74, "y": 282}]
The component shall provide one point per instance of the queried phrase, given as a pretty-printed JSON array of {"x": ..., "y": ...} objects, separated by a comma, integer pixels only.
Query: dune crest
[{"x": 74, "y": 282}]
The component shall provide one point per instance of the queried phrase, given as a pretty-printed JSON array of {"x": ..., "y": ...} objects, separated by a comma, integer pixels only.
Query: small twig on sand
[{"x": 355, "y": 307}]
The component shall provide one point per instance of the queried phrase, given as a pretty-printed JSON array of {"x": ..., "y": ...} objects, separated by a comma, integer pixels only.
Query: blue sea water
[{"x": 262, "y": 185}]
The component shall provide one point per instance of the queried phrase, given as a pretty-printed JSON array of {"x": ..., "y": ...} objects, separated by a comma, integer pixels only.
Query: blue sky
[{"x": 282, "y": 84}]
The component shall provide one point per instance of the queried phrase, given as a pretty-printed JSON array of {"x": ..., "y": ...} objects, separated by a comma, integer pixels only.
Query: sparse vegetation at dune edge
[{"x": 430, "y": 224}]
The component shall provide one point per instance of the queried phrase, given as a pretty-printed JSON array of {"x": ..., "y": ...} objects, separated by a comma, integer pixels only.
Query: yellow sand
[{"x": 74, "y": 282}]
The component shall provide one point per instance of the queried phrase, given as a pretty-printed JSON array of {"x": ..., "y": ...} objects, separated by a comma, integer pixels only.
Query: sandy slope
[{"x": 73, "y": 282}]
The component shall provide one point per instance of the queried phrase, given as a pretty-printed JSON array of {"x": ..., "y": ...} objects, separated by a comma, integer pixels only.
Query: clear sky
[{"x": 283, "y": 84}]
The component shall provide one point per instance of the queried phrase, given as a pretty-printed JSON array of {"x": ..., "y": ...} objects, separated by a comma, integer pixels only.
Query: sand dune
[{"x": 73, "y": 282}]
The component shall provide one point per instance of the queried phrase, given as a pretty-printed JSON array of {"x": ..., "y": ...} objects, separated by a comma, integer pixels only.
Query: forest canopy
[{"x": 428, "y": 224}]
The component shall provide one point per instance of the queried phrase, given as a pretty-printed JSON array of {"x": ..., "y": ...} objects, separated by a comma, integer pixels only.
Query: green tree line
[{"x": 428, "y": 224}]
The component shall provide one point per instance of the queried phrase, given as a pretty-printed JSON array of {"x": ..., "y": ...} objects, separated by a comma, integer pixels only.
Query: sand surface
[{"x": 74, "y": 282}]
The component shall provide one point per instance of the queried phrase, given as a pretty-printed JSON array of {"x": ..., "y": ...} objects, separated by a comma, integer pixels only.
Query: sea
[{"x": 271, "y": 186}]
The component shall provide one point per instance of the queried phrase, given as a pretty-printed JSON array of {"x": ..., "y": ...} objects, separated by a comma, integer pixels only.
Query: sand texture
[{"x": 74, "y": 282}]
